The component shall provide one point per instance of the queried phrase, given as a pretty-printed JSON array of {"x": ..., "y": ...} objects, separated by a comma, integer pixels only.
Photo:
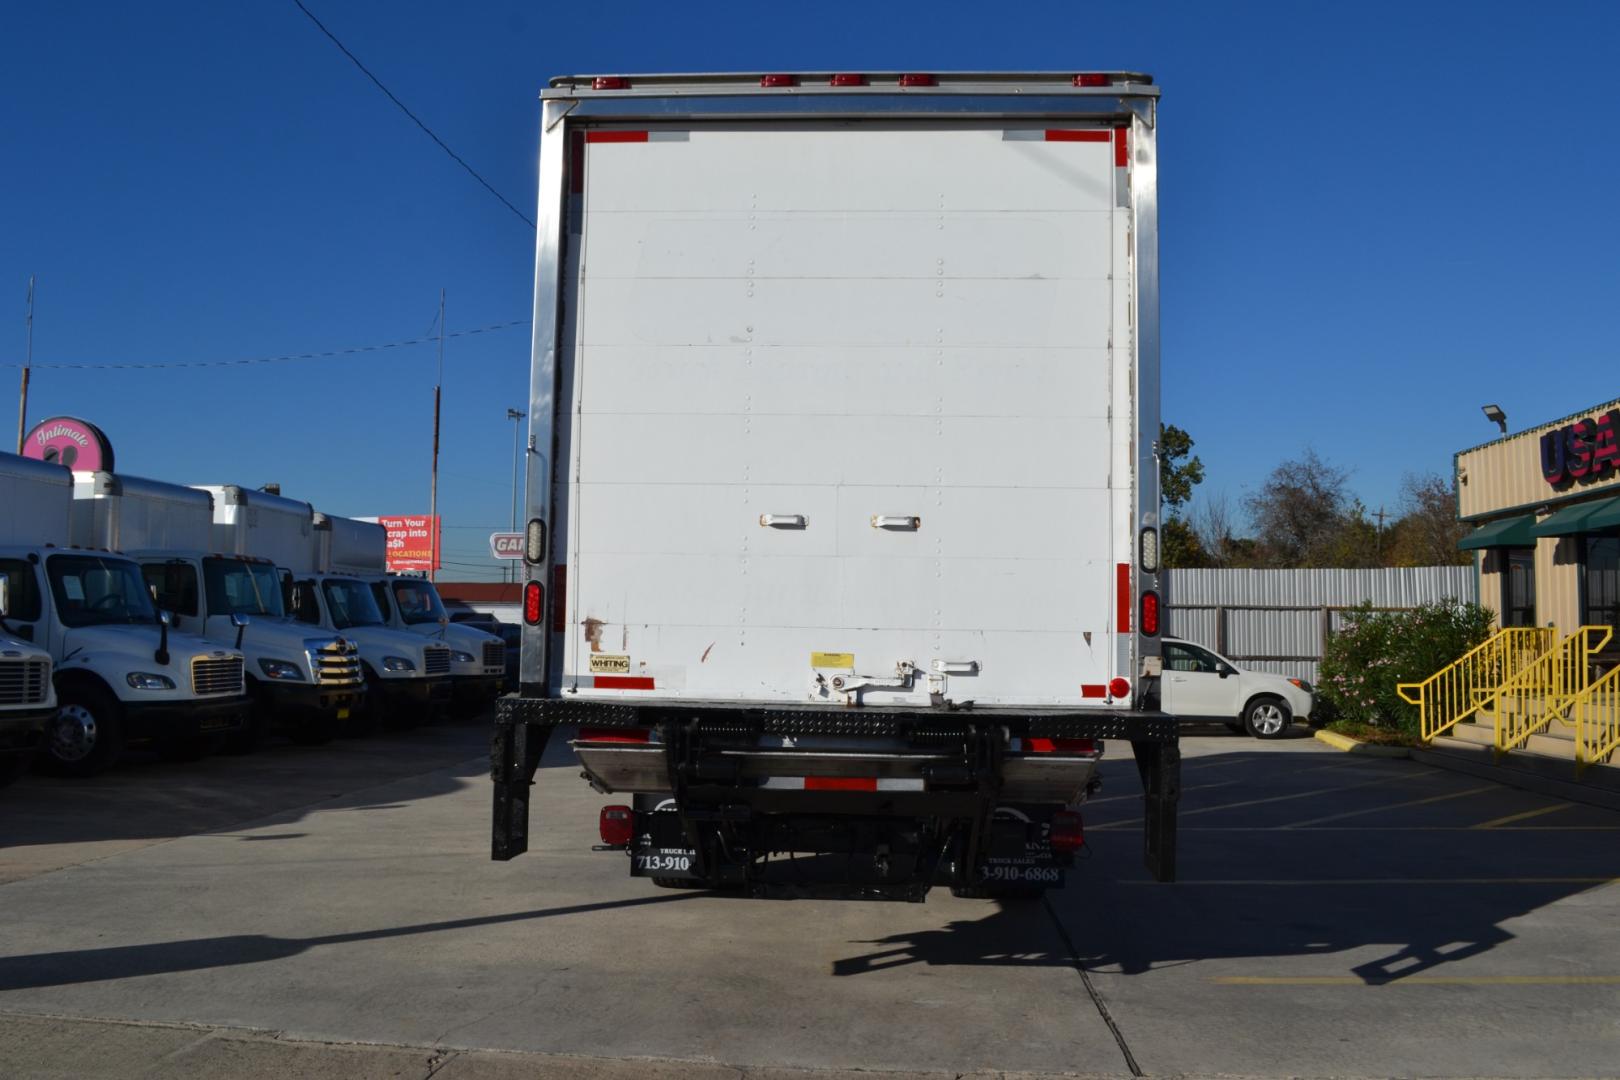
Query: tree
[
  {"x": 1427, "y": 532},
  {"x": 1182, "y": 547},
  {"x": 1179, "y": 473},
  {"x": 1303, "y": 513}
]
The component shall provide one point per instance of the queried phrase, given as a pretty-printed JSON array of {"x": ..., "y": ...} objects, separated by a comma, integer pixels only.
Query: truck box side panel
[
  {"x": 130, "y": 513},
  {"x": 859, "y": 326}
]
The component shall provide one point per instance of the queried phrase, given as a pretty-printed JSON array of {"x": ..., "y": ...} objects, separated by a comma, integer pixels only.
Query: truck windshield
[
  {"x": 92, "y": 590},
  {"x": 242, "y": 588},
  {"x": 350, "y": 603},
  {"x": 418, "y": 602}
]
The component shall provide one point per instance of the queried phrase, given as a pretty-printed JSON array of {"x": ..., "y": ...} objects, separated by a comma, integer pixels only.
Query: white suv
[{"x": 1202, "y": 685}]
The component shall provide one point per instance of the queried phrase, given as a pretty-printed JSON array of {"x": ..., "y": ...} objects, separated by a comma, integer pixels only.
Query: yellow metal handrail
[
  {"x": 1596, "y": 714},
  {"x": 1456, "y": 690},
  {"x": 1530, "y": 701}
]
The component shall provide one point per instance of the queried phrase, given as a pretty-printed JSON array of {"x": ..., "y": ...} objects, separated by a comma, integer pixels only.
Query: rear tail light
[
  {"x": 1150, "y": 550},
  {"x": 1150, "y": 613},
  {"x": 848, "y": 79},
  {"x": 778, "y": 80},
  {"x": 534, "y": 602},
  {"x": 534, "y": 542},
  {"x": 610, "y": 82},
  {"x": 1119, "y": 688},
  {"x": 1091, "y": 78},
  {"x": 1068, "y": 834},
  {"x": 918, "y": 80},
  {"x": 618, "y": 826}
]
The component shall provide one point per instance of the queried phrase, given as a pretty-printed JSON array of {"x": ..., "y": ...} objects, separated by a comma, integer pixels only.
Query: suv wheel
[{"x": 1268, "y": 717}]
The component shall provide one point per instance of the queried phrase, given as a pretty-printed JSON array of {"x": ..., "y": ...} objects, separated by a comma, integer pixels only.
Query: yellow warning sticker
[
  {"x": 844, "y": 660},
  {"x": 610, "y": 664}
]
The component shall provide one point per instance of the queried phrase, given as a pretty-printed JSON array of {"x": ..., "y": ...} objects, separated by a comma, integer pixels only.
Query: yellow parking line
[
  {"x": 1395, "y": 806},
  {"x": 1320, "y": 882},
  {"x": 1496, "y": 823},
  {"x": 1417, "y": 980},
  {"x": 1391, "y": 779}
]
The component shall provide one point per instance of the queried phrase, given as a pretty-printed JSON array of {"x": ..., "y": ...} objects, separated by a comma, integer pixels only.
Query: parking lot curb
[{"x": 1356, "y": 746}]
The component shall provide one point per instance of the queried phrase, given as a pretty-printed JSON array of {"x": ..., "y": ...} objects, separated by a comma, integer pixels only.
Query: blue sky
[{"x": 1375, "y": 218}]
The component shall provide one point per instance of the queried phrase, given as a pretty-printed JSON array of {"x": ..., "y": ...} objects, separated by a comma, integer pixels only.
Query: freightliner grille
[
  {"x": 495, "y": 654},
  {"x": 24, "y": 682},
  {"x": 216, "y": 675},
  {"x": 336, "y": 663},
  {"x": 436, "y": 661}
]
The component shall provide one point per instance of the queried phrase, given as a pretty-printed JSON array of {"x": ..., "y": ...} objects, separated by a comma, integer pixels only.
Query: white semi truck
[
  {"x": 121, "y": 673},
  {"x": 406, "y": 678},
  {"x": 412, "y": 603},
  {"x": 304, "y": 683},
  {"x": 842, "y": 502},
  {"x": 27, "y": 696}
]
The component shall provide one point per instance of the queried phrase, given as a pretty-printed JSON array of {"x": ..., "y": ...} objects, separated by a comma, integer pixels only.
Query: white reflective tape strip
[
  {"x": 791, "y": 783},
  {"x": 901, "y": 784}
]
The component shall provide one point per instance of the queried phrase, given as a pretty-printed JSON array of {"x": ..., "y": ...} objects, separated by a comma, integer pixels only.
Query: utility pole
[
  {"x": 28, "y": 364},
  {"x": 1380, "y": 541},
  {"x": 517, "y": 428},
  {"x": 433, "y": 495}
]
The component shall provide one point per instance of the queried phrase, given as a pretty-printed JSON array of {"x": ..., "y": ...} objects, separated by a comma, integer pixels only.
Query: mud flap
[
  {"x": 1159, "y": 764},
  {"x": 515, "y": 751}
]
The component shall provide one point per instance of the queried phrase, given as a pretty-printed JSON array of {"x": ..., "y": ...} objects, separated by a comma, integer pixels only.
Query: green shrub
[{"x": 1374, "y": 650}]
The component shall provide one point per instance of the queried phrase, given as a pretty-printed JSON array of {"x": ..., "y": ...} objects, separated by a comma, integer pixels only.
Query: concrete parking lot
[{"x": 332, "y": 912}]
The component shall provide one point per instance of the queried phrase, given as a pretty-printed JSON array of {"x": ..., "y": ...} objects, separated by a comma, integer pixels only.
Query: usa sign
[
  {"x": 506, "y": 545},
  {"x": 1583, "y": 450}
]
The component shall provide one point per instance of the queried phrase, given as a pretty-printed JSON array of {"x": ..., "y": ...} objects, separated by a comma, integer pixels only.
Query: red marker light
[
  {"x": 918, "y": 80},
  {"x": 1067, "y": 832},
  {"x": 617, "y": 825},
  {"x": 1150, "y": 614},
  {"x": 778, "y": 80},
  {"x": 610, "y": 82},
  {"x": 849, "y": 79},
  {"x": 534, "y": 602},
  {"x": 1119, "y": 688},
  {"x": 1091, "y": 78}
]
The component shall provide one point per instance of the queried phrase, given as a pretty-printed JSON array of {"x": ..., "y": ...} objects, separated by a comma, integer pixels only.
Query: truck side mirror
[
  {"x": 165, "y": 618},
  {"x": 238, "y": 619},
  {"x": 5, "y": 595}
]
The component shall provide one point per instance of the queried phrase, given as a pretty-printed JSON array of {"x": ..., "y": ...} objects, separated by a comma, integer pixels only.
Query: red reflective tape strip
[
  {"x": 1122, "y": 598},
  {"x": 1122, "y": 147},
  {"x": 1037, "y": 745},
  {"x": 1094, "y": 690},
  {"x": 615, "y": 136},
  {"x": 840, "y": 783},
  {"x": 1071, "y": 135},
  {"x": 615, "y": 735},
  {"x": 623, "y": 682}
]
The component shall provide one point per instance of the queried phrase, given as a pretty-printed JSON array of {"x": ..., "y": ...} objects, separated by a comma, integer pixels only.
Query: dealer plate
[{"x": 663, "y": 862}]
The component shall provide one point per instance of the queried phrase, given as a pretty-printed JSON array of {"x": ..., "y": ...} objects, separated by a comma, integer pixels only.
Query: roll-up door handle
[
  {"x": 896, "y": 521},
  {"x": 783, "y": 521}
]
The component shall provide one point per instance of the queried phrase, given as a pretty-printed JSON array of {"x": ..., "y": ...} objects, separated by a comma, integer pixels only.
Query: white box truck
[
  {"x": 121, "y": 674},
  {"x": 406, "y": 678},
  {"x": 305, "y": 684},
  {"x": 842, "y": 501},
  {"x": 412, "y": 603}
]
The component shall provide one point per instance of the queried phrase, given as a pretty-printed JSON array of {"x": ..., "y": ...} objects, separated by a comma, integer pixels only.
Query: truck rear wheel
[{"x": 87, "y": 733}]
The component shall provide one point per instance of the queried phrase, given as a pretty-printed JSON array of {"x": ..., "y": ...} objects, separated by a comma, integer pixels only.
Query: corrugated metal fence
[{"x": 1278, "y": 620}]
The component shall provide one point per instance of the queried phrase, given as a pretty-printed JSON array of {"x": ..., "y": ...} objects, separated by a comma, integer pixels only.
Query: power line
[
  {"x": 280, "y": 359},
  {"x": 414, "y": 118}
]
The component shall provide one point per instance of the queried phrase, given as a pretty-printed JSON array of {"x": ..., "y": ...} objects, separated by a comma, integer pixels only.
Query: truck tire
[
  {"x": 86, "y": 735},
  {"x": 1267, "y": 717}
]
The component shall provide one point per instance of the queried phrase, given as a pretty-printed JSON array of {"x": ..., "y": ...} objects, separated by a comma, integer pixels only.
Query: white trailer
[
  {"x": 27, "y": 693},
  {"x": 120, "y": 674},
  {"x": 305, "y": 684},
  {"x": 842, "y": 427}
]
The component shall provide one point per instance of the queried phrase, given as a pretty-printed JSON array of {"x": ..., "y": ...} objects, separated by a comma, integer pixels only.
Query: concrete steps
[
  {"x": 1546, "y": 764},
  {"x": 1556, "y": 740}
]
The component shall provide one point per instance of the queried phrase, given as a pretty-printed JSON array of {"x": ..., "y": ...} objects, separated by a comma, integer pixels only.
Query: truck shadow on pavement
[
  {"x": 1288, "y": 854},
  {"x": 197, "y": 954}
]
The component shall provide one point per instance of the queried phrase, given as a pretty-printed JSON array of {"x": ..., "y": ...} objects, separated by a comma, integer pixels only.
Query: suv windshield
[
  {"x": 418, "y": 602},
  {"x": 242, "y": 588},
  {"x": 350, "y": 603},
  {"x": 93, "y": 590}
]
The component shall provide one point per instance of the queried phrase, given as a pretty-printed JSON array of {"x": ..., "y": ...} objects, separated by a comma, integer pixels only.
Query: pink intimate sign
[{"x": 66, "y": 440}]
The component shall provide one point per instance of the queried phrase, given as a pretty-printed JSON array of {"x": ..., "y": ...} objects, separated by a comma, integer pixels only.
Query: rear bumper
[
  {"x": 22, "y": 730},
  {"x": 182, "y": 719}
]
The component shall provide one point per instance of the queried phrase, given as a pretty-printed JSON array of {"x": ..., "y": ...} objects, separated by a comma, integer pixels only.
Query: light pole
[{"x": 517, "y": 430}]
